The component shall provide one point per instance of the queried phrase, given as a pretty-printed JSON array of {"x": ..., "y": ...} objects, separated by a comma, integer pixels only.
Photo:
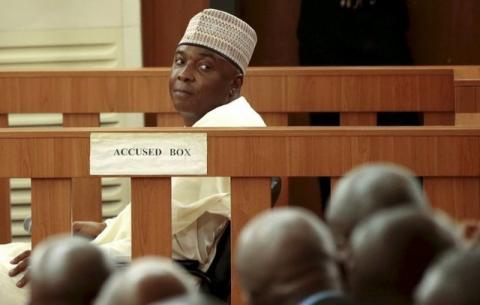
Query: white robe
[{"x": 200, "y": 209}]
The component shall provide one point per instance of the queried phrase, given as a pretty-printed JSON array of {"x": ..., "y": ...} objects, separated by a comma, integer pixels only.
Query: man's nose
[{"x": 186, "y": 73}]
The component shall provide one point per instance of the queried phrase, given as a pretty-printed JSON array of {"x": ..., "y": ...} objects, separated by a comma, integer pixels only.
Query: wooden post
[
  {"x": 5, "y": 205},
  {"x": 250, "y": 196},
  {"x": 86, "y": 192},
  {"x": 151, "y": 217},
  {"x": 51, "y": 208}
]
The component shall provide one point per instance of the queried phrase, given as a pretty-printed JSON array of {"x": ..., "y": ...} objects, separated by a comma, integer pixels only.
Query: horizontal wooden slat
[
  {"x": 432, "y": 151},
  {"x": 295, "y": 89}
]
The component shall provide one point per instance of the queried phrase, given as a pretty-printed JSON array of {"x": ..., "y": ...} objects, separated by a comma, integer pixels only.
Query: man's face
[{"x": 200, "y": 81}]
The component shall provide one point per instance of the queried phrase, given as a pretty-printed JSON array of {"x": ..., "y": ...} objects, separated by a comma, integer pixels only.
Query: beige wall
[{"x": 70, "y": 33}]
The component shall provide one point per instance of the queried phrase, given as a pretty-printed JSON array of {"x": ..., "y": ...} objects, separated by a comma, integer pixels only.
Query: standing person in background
[{"x": 353, "y": 33}]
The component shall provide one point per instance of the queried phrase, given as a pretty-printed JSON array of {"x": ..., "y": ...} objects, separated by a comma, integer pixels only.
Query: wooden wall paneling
[
  {"x": 151, "y": 216},
  {"x": 358, "y": 119},
  {"x": 250, "y": 196},
  {"x": 51, "y": 207},
  {"x": 5, "y": 212},
  {"x": 444, "y": 32},
  {"x": 163, "y": 25},
  {"x": 275, "y": 22},
  {"x": 86, "y": 192},
  {"x": 460, "y": 198}
]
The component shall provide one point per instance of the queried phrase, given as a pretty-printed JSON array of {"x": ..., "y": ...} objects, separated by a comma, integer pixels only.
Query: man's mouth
[{"x": 182, "y": 92}]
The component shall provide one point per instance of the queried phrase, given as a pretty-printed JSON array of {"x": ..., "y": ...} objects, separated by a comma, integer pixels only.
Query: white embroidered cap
[{"x": 223, "y": 33}]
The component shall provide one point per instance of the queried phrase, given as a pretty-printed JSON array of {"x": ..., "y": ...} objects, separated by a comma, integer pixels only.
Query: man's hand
[
  {"x": 89, "y": 229},
  {"x": 22, "y": 262}
]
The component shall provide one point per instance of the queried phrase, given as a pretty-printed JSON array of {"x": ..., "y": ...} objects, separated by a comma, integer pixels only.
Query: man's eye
[
  {"x": 205, "y": 67},
  {"x": 179, "y": 61}
]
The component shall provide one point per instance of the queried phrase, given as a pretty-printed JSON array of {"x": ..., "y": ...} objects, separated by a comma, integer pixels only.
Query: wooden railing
[
  {"x": 447, "y": 158},
  {"x": 356, "y": 93}
]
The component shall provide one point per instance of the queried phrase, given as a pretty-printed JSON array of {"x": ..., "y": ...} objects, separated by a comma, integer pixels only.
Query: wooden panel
[
  {"x": 466, "y": 72},
  {"x": 151, "y": 217},
  {"x": 169, "y": 120},
  {"x": 85, "y": 91},
  {"x": 249, "y": 197},
  {"x": 45, "y": 157},
  {"x": 371, "y": 90},
  {"x": 358, "y": 119},
  {"x": 460, "y": 198},
  {"x": 51, "y": 208},
  {"x": 5, "y": 214},
  {"x": 438, "y": 118},
  {"x": 275, "y": 119},
  {"x": 275, "y": 22},
  {"x": 466, "y": 99},
  {"x": 81, "y": 120},
  {"x": 87, "y": 199},
  {"x": 268, "y": 90},
  {"x": 467, "y": 119},
  {"x": 86, "y": 192},
  {"x": 265, "y": 152},
  {"x": 444, "y": 32},
  {"x": 161, "y": 32}
]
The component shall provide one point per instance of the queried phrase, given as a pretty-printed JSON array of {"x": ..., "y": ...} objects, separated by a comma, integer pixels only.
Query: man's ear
[{"x": 236, "y": 85}]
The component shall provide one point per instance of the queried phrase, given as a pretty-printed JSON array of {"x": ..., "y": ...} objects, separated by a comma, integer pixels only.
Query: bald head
[
  {"x": 368, "y": 189},
  {"x": 147, "y": 280},
  {"x": 67, "y": 270},
  {"x": 191, "y": 299},
  {"x": 390, "y": 253},
  {"x": 284, "y": 255},
  {"x": 453, "y": 280}
]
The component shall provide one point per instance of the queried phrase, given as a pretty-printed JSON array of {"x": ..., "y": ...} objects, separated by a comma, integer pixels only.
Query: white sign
[{"x": 147, "y": 154}]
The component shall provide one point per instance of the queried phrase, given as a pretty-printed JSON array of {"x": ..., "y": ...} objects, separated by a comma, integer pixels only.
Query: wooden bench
[
  {"x": 358, "y": 94},
  {"x": 447, "y": 158}
]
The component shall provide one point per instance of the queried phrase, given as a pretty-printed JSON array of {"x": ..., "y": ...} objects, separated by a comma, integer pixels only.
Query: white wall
[{"x": 51, "y": 34}]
